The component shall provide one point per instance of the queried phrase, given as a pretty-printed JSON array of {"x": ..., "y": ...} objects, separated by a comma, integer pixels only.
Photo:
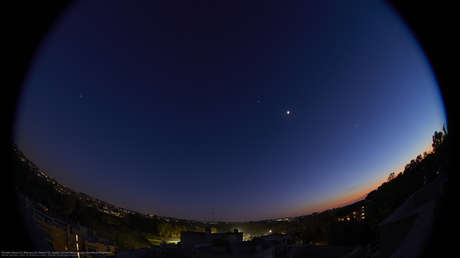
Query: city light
[
  {"x": 55, "y": 228},
  {"x": 173, "y": 241},
  {"x": 76, "y": 239}
]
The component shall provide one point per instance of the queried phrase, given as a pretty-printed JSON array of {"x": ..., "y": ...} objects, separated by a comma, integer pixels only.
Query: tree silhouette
[
  {"x": 419, "y": 159},
  {"x": 437, "y": 140},
  {"x": 391, "y": 176}
]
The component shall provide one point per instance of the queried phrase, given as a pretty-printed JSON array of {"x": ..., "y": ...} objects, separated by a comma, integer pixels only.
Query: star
[{"x": 288, "y": 112}]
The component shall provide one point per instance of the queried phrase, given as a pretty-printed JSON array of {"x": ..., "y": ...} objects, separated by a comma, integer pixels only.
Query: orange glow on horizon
[
  {"x": 343, "y": 200},
  {"x": 360, "y": 192}
]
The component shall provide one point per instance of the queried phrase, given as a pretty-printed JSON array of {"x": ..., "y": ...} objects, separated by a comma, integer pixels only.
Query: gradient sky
[{"x": 179, "y": 109}]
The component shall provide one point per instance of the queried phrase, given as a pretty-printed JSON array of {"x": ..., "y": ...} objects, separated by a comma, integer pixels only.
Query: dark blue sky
[{"x": 179, "y": 109}]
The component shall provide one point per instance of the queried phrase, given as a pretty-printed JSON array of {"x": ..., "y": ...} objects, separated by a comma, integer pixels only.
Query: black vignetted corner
[{"x": 28, "y": 24}]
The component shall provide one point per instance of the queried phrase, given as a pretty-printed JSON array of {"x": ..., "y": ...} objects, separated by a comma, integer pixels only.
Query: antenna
[{"x": 213, "y": 216}]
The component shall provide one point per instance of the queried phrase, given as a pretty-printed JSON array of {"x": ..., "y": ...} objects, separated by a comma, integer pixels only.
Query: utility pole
[{"x": 213, "y": 218}]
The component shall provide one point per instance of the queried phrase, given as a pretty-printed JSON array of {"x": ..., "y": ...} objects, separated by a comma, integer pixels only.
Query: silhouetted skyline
[{"x": 242, "y": 111}]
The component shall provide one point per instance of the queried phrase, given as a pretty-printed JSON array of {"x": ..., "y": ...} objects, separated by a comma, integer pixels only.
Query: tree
[
  {"x": 437, "y": 140},
  {"x": 419, "y": 159},
  {"x": 164, "y": 229},
  {"x": 391, "y": 176},
  {"x": 410, "y": 167},
  {"x": 425, "y": 154}
]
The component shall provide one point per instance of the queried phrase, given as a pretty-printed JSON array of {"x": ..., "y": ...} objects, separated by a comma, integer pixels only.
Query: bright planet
[{"x": 183, "y": 114}]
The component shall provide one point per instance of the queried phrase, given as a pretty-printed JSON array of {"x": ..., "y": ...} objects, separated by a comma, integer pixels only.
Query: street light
[{"x": 76, "y": 244}]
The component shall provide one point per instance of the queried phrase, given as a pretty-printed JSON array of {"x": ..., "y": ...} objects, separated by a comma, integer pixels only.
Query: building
[
  {"x": 278, "y": 238},
  {"x": 55, "y": 229},
  {"x": 64, "y": 236},
  {"x": 356, "y": 215},
  {"x": 201, "y": 239}
]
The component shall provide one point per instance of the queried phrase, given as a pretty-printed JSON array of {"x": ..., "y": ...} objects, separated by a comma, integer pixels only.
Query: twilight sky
[{"x": 232, "y": 111}]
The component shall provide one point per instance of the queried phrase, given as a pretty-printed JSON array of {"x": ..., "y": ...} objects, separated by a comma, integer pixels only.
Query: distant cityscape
[
  {"x": 121, "y": 212},
  {"x": 77, "y": 222},
  {"x": 101, "y": 205}
]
